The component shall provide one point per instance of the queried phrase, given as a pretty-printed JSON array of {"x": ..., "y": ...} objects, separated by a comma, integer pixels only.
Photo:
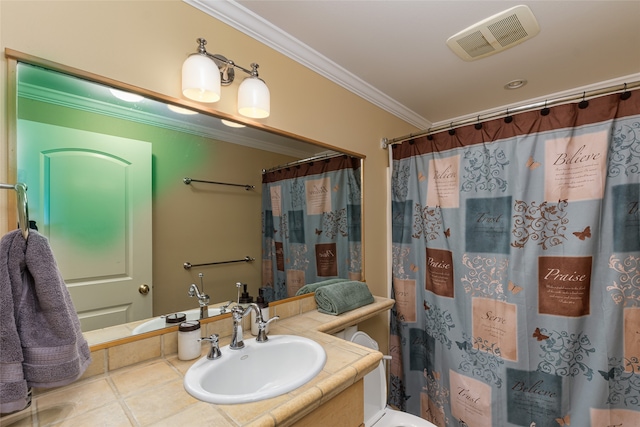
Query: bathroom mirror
[{"x": 196, "y": 202}]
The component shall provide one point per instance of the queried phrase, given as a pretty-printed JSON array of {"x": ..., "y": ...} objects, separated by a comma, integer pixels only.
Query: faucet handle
[
  {"x": 223, "y": 308},
  {"x": 262, "y": 329},
  {"x": 193, "y": 290},
  {"x": 215, "y": 352}
]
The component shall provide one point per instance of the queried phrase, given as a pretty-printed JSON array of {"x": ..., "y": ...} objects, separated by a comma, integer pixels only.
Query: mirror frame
[{"x": 14, "y": 57}]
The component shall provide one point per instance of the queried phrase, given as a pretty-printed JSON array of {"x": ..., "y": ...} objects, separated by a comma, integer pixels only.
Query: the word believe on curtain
[
  {"x": 311, "y": 230},
  {"x": 516, "y": 270}
]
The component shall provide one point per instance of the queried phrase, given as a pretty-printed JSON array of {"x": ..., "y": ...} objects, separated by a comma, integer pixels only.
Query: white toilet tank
[
  {"x": 375, "y": 382},
  {"x": 376, "y": 412}
]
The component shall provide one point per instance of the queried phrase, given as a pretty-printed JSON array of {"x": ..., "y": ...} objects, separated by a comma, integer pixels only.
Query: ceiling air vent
[{"x": 495, "y": 34}]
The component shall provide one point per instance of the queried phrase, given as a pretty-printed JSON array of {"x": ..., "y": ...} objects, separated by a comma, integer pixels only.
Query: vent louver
[{"x": 495, "y": 34}]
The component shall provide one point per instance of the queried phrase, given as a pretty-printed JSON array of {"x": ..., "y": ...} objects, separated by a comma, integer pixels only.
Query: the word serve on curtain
[
  {"x": 516, "y": 270},
  {"x": 311, "y": 224}
]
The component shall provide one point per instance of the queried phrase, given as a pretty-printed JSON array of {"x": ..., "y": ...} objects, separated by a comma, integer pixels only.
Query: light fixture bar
[{"x": 199, "y": 83}]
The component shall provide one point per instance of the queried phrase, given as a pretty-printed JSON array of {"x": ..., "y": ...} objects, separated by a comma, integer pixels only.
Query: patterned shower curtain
[
  {"x": 311, "y": 225},
  {"x": 516, "y": 270}
]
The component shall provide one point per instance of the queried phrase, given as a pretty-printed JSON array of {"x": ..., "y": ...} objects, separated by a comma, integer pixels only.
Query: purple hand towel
[
  {"x": 13, "y": 386},
  {"x": 54, "y": 352}
]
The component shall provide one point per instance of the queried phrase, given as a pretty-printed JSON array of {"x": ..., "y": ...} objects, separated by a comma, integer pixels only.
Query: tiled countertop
[{"x": 151, "y": 393}]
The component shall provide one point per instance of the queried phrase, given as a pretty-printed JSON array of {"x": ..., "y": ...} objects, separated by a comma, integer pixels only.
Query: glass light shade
[
  {"x": 181, "y": 110},
  {"x": 126, "y": 96},
  {"x": 231, "y": 124},
  {"x": 254, "y": 99},
  {"x": 200, "y": 79}
]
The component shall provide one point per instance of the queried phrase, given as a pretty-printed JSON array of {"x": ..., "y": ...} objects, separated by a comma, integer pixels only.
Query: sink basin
[
  {"x": 159, "y": 322},
  {"x": 256, "y": 372}
]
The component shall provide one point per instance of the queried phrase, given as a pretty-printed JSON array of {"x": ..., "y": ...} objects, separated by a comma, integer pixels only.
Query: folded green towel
[
  {"x": 341, "y": 297},
  {"x": 311, "y": 287}
]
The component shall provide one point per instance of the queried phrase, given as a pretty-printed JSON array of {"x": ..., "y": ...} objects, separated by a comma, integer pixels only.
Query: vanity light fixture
[
  {"x": 203, "y": 74},
  {"x": 181, "y": 110},
  {"x": 231, "y": 124},
  {"x": 126, "y": 96}
]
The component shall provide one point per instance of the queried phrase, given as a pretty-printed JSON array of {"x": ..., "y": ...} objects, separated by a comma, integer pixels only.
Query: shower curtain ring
[
  {"x": 508, "y": 119},
  {"x": 478, "y": 125},
  {"x": 546, "y": 110},
  {"x": 429, "y": 136},
  {"x": 584, "y": 103},
  {"x": 625, "y": 95}
]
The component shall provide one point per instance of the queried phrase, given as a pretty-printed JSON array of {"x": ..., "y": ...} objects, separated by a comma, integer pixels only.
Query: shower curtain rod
[
  {"x": 520, "y": 109},
  {"x": 301, "y": 161}
]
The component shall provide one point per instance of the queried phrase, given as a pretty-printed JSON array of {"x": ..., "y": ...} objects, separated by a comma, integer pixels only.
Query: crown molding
[{"x": 247, "y": 22}]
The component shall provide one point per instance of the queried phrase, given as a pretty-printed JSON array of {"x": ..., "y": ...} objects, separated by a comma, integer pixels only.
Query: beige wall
[{"x": 143, "y": 43}]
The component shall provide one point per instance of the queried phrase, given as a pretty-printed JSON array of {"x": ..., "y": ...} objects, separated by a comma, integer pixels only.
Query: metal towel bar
[
  {"x": 23, "y": 205},
  {"x": 188, "y": 265},
  {"x": 247, "y": 187}
]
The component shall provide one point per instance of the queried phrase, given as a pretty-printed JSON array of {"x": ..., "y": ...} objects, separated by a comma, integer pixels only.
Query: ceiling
[{"x": 394, "y": 53}]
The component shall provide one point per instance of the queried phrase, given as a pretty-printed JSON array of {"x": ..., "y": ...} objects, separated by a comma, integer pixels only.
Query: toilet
[{"x": 376, "y": 411}]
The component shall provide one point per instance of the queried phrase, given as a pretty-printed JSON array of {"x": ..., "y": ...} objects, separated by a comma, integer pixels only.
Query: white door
[{"x": 90, "y": 195}]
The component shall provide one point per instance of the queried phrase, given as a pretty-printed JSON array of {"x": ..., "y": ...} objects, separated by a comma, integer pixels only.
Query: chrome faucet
[
  {"x": 203, "y": 299},
  {"x": 238, "y": 312},
  {"x": 214, "y": 352},
  {"x": 262, "y": 329}
]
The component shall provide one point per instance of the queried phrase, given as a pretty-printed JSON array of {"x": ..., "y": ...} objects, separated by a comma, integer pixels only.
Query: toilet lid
[
  {"x": 376, "y": 412},
  {"x": 400, "y": 419},
  {"x": 364, "y": 340}
]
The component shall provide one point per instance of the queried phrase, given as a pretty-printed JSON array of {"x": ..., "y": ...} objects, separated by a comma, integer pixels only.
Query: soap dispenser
[
  {"x": 264, "y": 309},
  {"x": 245, "y": 299}
]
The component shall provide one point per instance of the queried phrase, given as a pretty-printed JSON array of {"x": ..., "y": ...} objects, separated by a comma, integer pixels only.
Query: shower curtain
[
  {"x": 311, "y": 225},
  {"x": 516, "y": 269}
]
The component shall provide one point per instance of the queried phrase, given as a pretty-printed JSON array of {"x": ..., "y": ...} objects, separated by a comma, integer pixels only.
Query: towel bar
[
  {"x": 188, "y": 265},
  {"x": 247, "y": 187},
  {"x": 23, "y": 205}
]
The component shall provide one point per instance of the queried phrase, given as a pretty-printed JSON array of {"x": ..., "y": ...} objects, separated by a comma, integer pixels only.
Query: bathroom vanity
[{"x": 139, "y": 381}]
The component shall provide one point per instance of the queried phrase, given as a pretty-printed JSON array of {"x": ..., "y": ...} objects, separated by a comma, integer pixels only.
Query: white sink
[
  {"x": 256, "y": 372},
  {"x": 160, "y": 322}
]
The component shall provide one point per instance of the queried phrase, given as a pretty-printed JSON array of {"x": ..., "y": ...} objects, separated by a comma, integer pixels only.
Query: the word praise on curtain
[{"x": 311, "y": 224}]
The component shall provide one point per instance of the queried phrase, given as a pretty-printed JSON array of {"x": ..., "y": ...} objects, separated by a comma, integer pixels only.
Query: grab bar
[
  {"x": 247, "y": 187},
  {"x": 23, "y": 205},
  {"x": 188, "y": 265}
]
